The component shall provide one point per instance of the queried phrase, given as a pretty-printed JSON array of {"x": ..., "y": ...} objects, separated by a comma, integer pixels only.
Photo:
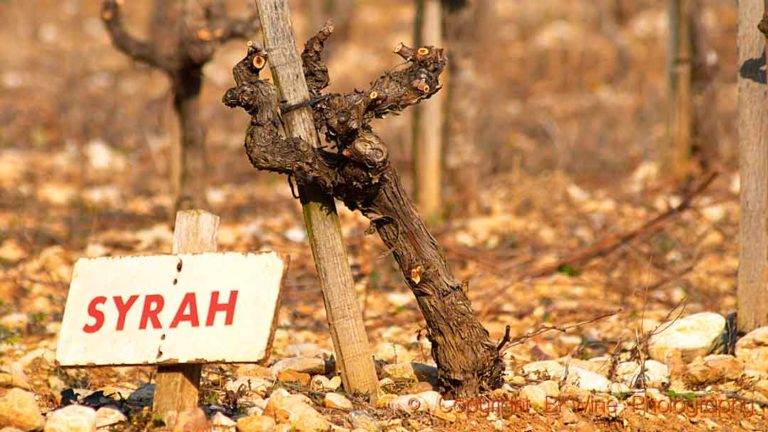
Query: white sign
[{"x": 197, "y": 308}]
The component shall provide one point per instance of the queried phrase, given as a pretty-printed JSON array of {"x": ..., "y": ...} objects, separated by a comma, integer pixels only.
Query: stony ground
[{"x": 629, "y": 341}]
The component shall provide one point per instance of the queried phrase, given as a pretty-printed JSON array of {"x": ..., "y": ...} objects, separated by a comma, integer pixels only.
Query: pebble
[
  {"x": 363, "y": 420},
  {"x": 391, "y": 352},
  {"x": 143, "y": 396},
  {"x": 256, "y": 423},
  {"x": 192, "y": 420},
  {"x": 222, "y": 423},
  {"x": 253, "y": 384},
  {"x": 295, "y": 409},
  {"x": 13, "y": 375},
  {"x": 108, "y": 416},
  {"x": 72, "y": 418},
  {"x": 15, "y": 321},
  {"x": 537, "y": 394},
  {"x": 402, "y": 370},
  {"x": 310, "y": 365},
  {"x": 255, "y": 370},
  {"x": 544, "y": 369},
  {"x": 307, "y": 350},
  {"x": 335, "y": 382},
  {"x": 320, "y": 383},
  {"x": 713, "y": 369},
  {"x": 752, "y": 349},
  {"x": 655, "y": 374},
  {"x": 587, "y": 380},
  {"x": 19, "y": 409},
  {"x": 690, "y": 336},
  {"x": 336, "y": 400},
  {"x": 429, "y": 401},
  {"x": 292, "y": 376}
]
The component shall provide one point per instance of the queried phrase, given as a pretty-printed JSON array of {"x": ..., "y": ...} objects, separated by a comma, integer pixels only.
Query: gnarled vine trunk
[{"x": 358, "y": 172}]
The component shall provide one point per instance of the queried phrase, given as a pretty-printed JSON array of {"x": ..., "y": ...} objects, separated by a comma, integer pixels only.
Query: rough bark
[
  {"x": 752, "y": 301},
  {"x": 181, "y": 44},
  {"x": 355, "y": 168}
]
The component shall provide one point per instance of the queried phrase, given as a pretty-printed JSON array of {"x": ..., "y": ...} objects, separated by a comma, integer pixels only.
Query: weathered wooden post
[
  {"x": 428, "y": 120},
  {"x": 753, "y": 167},
  {"x": 675, "y": 152},
  {"x": 178, "y": 385},
  {"x": 350, "y": 341}
]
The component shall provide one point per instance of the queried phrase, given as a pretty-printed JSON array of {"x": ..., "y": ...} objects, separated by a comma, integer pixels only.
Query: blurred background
[{"x": 555, "y": 125}]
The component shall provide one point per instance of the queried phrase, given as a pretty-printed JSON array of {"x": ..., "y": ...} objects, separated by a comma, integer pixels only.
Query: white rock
[
  {"x": 362, "y": 420},
  {"x": 11, "y": 250},
  {"x": 391, "y": 352},
  {"x": 257, "y": 385},
  {"x": 15, "y": 320},
  {"x": 102, "y": 157},
  {"x": 690, "y": 336},
  {"x": 400, "y": 299},
  {"x": 619, "y": 388},
  {"x": 428, "y": 401},
  {"x": 536, "y": 395},
  {"x": 13, "y": 375},
  {"x": 656, "y": 373},
  {"x": 544, "y": 369},
  {"x": 335, "y": 382},
  {"x": 296, "y": 235},
  {"x": 713, "y": 369},
  {"x": 108, "y": 416},
  {"x": 293, "y": 409},
  {"x": 222, "y": 423},
  {"x": 336, "y": 400},
  {"x": 255, "y": 423},
  {"x": 320, "y": 383},
  {"x": 307, "y": 350},
  {"x": 310, "y": 365},
  {"x": 752, "y": 349},
  {"x": 48, "y": 355},
  {"x": 73, "y": 418},
  {"x": 402, "y": 370},
  {"x": 587, "y": 380},
  {"x": 19, "y": 409},
  {"x": 715, "y": 213}
]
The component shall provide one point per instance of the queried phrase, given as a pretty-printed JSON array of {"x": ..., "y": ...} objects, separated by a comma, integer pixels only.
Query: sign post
[
  {"x": 176, "y": 311},
  {"x": 178, "y": 386}
]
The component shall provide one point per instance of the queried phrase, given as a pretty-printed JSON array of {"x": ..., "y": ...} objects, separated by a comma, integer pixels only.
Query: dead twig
[{"x": 544, "y": 328}]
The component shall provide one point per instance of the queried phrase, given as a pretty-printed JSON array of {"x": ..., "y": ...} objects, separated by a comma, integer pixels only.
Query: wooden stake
[
  {"x": 428, "y": 121},
  {"x": 353, "y": 354},
  {"x": 752, "y": 293},
  {"x": 675, "y": 153},
  {"x": 178, "y": 385}
]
